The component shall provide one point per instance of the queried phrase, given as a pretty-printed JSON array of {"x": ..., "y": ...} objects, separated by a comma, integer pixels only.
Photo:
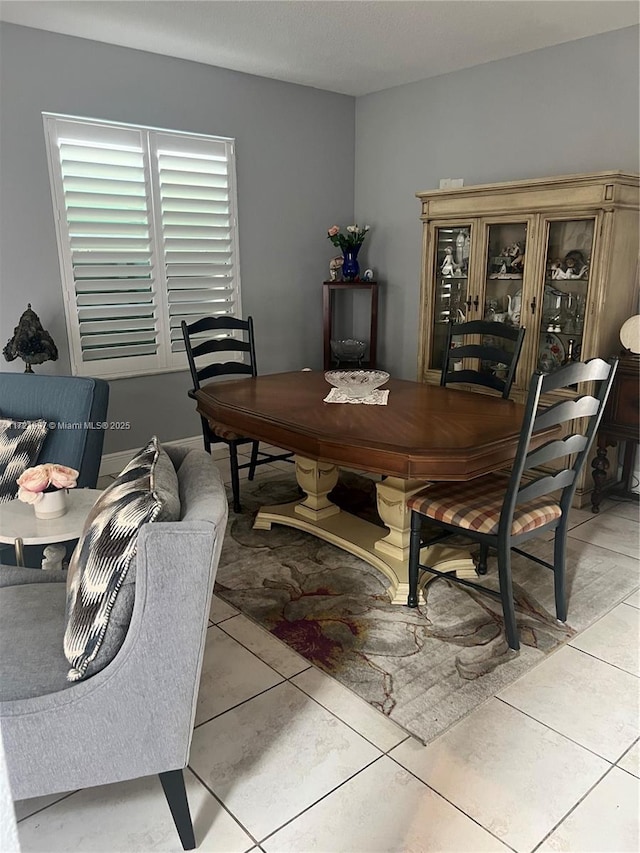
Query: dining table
[{"x": 424, "y": 433}]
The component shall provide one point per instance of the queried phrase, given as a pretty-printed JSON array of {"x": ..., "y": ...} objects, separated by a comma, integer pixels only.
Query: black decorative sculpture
[{"x": 30, "y": 342}]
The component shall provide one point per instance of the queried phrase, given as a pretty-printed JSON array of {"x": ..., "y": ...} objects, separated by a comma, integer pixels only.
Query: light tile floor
[{"x": 286, "y": 759}]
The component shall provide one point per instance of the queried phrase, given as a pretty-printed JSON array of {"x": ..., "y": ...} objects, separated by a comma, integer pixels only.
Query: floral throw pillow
[
  {"x": 20, "y": 446},
  {"x": 102, "y": 557}
]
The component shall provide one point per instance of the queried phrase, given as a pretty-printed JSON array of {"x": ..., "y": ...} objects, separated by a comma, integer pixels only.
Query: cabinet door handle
[
  {"x": 476, "y": 302},
  {"x": 533, "y": 305},
  {"x": 468, "y": 303}
]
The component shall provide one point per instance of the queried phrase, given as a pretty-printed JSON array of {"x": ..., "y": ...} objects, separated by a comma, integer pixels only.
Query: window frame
[{"x": 164, "y": 360}]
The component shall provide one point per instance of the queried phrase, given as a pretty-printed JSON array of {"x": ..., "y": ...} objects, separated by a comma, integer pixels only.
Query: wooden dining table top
[{"x": 424, "y": 432}]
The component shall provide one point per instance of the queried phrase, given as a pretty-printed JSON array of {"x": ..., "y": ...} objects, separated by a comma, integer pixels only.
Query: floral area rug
[{"x": 424, "y": 668}]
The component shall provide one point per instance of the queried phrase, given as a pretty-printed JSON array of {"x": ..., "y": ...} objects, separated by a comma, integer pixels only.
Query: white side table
[{"x": 19, "y": 525}]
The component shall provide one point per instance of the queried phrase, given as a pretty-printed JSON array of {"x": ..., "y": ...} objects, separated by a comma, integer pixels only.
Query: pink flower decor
[
  {"x": 63, "y": 477},
  {"x": 34, "y": 482},
  {"x": 354, "y": 237}
]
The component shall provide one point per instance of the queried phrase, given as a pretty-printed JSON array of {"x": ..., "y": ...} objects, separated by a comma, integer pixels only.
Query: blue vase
[{"x": 350, "y": 265}]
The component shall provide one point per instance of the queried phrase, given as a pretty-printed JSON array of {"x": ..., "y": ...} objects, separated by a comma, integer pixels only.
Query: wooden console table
[
  {"x": 328, "y": 290},
  {"x": 621, "y": 422}
]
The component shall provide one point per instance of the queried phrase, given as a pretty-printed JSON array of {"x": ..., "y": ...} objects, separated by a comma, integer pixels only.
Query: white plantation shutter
[
  {"x": 147, "y": 237},
  {"x": 195, "y": 191}
]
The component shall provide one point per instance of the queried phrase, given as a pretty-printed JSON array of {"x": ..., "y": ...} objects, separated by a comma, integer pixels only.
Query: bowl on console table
[
  {"x": 356, "y": 383},
  {"x": 348, "y": 350}
]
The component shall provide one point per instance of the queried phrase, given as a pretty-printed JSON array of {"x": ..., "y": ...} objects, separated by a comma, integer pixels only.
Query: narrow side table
[
  {"x": 329, "y": 288},
  {"x": 19, "y": 525}
]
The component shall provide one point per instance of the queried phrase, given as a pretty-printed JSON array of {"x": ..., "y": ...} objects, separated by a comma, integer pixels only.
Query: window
[{"x": 147, "y": 237}]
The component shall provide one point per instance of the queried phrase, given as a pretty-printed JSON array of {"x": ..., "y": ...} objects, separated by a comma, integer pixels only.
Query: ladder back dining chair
[
  {"x": 493, "y": 348},
  {"x": 228, "y": 344},
  {"x": 502, "y": 510}
]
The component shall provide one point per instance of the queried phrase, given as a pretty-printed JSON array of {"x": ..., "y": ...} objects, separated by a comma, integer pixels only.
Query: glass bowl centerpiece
[{"x": 356, "y": 383}]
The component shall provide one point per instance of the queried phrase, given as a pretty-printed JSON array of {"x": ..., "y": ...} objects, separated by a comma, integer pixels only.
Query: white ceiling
[{"x": 353, "y": 47}]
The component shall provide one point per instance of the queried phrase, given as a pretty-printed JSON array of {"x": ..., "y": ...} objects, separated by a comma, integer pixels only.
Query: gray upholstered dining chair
[
  {"x": 135, "y": 716},
  {"x": 504, "y": 509}
]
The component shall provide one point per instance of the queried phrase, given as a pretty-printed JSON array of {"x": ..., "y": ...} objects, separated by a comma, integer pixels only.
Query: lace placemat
[{"x": 375, "y": 398}]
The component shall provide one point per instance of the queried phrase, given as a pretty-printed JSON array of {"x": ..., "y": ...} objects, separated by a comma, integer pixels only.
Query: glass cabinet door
[
  {"x": 504, "y": 272},
  {"x": 564, "y": 300},
  {"x": 506, "y": 259},
  {"x": 451, "y": 276}
]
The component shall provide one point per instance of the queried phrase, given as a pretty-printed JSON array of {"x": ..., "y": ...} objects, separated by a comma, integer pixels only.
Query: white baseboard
[{"x": 113, "y": 463}]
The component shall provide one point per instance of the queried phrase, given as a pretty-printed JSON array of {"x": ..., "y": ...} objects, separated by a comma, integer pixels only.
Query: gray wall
[
  {"x": 562, "y": 110},
  {"x": 565, "y": 109},
  {"x": 295, "y": 163}
]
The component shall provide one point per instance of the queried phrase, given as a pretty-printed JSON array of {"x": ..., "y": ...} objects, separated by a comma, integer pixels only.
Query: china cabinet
[
  {"x": 556, "y": 255},
  {"x": 340, "y": 350}
]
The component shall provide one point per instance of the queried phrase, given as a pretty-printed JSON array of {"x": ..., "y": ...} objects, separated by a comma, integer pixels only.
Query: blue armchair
[
  {"x": 72, "y": 403},
  {"x": 74, "y": 406}
]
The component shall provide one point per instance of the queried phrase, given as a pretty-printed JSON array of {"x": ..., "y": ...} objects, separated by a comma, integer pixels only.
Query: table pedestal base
[{"x": 317, "y": 515}]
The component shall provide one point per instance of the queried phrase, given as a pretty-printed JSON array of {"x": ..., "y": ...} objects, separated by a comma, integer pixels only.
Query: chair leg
[
  {"x": 559, "y": 559},
  {"x": 205, "y": 435},
  {"x": 506, "y": 595},
  {"x": 176, "y": 794},
  {"x": 414, "y": 558},
  {"x": 483, "y": 560},
  {"x": 254, "y": 459},
  {"x": 235, "y": 477}
]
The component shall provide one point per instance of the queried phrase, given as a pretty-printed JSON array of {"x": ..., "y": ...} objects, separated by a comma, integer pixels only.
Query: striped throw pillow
[
  {"x": 20, "y": 446},
  {"x": 104, "y": 552}
]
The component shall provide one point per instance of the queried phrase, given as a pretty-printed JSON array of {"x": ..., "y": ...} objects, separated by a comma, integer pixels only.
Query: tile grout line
[
  {"x": 323, "y": 797},
  {"x": 562, "y": 734},
  {"x": 288, "y": 680},
  {"x": 574, "y": 807},
  {"x": 454, "y": 805},
  {"x": 48, "y": 806},
  {"x": 223, "y": 806}
]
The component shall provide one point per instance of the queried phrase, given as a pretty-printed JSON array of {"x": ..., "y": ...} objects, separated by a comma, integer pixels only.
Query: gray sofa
[{"x": 135, "y": 717}]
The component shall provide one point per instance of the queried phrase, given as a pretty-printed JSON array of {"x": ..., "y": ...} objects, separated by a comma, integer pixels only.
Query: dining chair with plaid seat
[
  {"x": 228, "y": 345},
  {"x": 501, "y": 510}
]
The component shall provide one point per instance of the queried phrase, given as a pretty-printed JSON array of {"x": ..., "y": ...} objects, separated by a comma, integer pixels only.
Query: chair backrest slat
[
  {"x": 566, "y": 410},
  {"x": 227, "y": 368},
  {"x": 483, "y": 352},
  {"x": 489, "y": 351},
  {"x": 576, "y": 372},
  {"x": 546, "y": 485},
  {"x": 220, "y": 345},
  {"x": 487, "y": 327},
  {"x": 487, "y": 380},
  {"x": 217, "y": 324},
  {"x": 555, "y": 450}
]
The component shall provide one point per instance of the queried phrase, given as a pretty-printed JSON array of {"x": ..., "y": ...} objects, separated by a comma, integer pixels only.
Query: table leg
[
  {"x": 600, "y": 466},
  {"x": 316, "y": 479},
  {"x": 387, "y": 551},
  {"x": 18, "y": 545},
  {"x": 392, "y": 496}
]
